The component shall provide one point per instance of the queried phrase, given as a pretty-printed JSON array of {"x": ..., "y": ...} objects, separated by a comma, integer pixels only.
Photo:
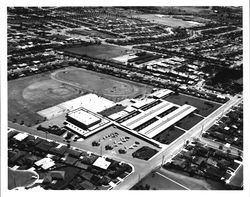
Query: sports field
[
  {"x": 28, "y": 95},
  {"x": 99, "y": 51},
  {"x": 104, "y": 85},
  {"x": 166, "y": 20}
]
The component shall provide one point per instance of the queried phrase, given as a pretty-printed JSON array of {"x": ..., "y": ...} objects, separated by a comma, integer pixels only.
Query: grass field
[
  {"x": 168, "y": 135},
  {"x": 28, "y": 95},
  {"x": 99, "y": 51},
  {"x": 165, "y": 20},
  {"x": 189, "y": 121},
  {"x": 204, "y": 108},
  {"x": 105, "y": 85}
]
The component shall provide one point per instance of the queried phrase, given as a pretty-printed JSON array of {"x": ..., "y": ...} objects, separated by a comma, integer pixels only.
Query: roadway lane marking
[{"x": 173, "y": 181}]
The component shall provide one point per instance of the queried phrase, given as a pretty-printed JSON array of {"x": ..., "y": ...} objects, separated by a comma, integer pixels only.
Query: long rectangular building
[
  {"x": 147, "y": 115},
  {"x": 161, "y": 93},
  {"x": 165, "y": 122},
  {"x": 140, "y": 103}
]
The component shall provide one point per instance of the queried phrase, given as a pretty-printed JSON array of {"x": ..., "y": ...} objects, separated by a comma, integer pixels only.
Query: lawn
[
  {"x": 28, "y": 95},
  {"x": 204, "y": 107},
  {"x": 189, "y": 121},
  {"x": 168, "y": 135},
  {"x": 144, "y": 153},
  {"x": 99, "y": 51}
]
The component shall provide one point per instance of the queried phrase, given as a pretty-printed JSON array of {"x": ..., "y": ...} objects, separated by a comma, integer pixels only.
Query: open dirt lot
[{"x": 99, "y": 51}]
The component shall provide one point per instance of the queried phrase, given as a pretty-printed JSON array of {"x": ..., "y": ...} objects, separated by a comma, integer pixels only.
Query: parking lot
[{"x": 113, "y": 140}]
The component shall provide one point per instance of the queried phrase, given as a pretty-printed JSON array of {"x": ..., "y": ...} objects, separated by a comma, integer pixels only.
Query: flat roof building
[{"x": 82, "y": 119}]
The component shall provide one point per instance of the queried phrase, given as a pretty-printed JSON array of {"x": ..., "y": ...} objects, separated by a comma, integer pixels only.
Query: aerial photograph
[{"x": 125, "y": 98}]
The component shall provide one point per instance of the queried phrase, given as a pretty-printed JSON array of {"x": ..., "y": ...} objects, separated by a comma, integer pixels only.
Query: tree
[{"x": 221, "y": 147}]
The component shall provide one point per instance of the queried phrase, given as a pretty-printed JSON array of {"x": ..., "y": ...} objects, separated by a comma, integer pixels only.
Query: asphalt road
[{"x": 142, "y": 168}]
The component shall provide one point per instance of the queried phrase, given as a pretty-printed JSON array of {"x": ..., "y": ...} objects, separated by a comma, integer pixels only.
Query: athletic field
[
  {"x": 166, "y": 20},
  {"x": 28, "y": 95},
  {"x": 102, "y": 51},
  {"x": 104, "y": 85}
]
